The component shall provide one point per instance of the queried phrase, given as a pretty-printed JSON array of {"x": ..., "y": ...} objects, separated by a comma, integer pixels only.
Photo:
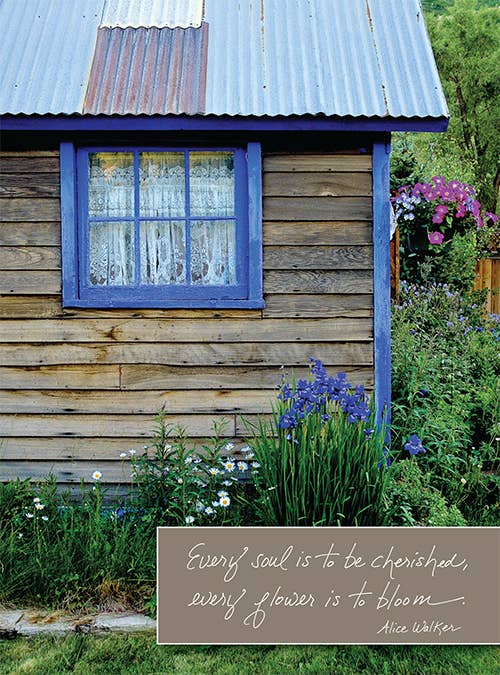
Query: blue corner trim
[
  {"x": 254, "y": 162},
  {"x": 69, "y": 238},
  {"x": 382, "y": 281},
  {"x": 222, "y": 123}
]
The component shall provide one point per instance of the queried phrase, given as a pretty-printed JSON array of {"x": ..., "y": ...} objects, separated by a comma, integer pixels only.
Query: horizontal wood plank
[
  {"x": 30, "y": 234},
  {"x": 208, "y": 354},
  {"x": 30, "y": 210},
  {"x": 30, "y": 258},
  {"x": 308, "y": 305},
  {"x": 301, "y": 184},
  {"x": 317, "y": 162},
  {"x": 312, "y": 208},
  {"x": 66, "y": 472},
  {"x": 60, "y": 377},
  {"x": 29, "y": 186},
  {"x": 131, "y": 402},
  {"x": 184, "y": 330},
  {"x": 306, "y": 233},
  {"x": 68, "y": 448},
  {"x": 27, "y": 282},
  {"x": 117, "y": 426},
  {"x": 318, "y": 258},
  {"x": 36, "y": 307},
  {"x": 29, "y": 162},
  {"x": 145, "y": 377},
  {"x": 319, "y": 281}
]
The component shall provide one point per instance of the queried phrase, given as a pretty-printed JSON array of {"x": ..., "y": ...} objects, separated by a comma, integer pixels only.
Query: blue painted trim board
[
  {"x": 184, "y": 123},
  {"x": 382, "y": 281}
]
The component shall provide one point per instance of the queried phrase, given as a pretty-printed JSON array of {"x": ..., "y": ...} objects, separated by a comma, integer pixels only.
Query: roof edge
[{"x": 24, "y": 122}]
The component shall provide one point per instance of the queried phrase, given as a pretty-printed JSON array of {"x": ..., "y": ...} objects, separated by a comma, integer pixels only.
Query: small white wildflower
[
  {"x": 188, "y": 460},
  {"x": 245, "y": 449},
  {"x": 255, "y": 465},
  {"x": 250, "y": 455},
  {"x": 36, "y": 500},
  {"x": 200, "y": 506},
  {"x": 227, "y": 483},
  {"x": 123, "y": 454},
  {"x": 215, "y": 504},
  {"x": 463, "y": 481},
  {"x": 222, "y": 493},
  {"x": 229, "y": 465},
  {"x": 179, "y": 480},
  {"x": 132, "y": 451},
  {"x": 213, "y": 471},
  {"x": 189, "y": 520},
  {"x": 168, "y": 447},
  {"x": 229, "y": 446},
  {"x": 20, "y": 535},
  {"x": 272, "y": 488},
  {"x": 224, "y": 501},
  {"x": 242, "y": 466},
  {"x": 28, "y": 515},
  {"x": 97, "y": 475},
  {"x": 39, "y": 507},
  {"x": 45, "y": 518},
  {"x": 144, "y": 447},
  {"x": 209, "y": 511}
]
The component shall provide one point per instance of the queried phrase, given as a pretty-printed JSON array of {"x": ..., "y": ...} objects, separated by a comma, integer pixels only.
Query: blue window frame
[{"x": 130, "y": 240}]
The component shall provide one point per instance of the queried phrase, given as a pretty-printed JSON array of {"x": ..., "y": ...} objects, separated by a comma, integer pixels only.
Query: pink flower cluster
[{"x": 446, "y": 201}]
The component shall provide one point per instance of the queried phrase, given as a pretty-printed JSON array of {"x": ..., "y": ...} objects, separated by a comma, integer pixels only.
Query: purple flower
[
  {"x": 436, "y": 237},
  {"x": 414, "y": 445}
]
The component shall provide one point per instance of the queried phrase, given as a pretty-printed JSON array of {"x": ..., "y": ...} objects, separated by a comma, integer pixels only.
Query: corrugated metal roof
[
  {"x": 355, "y": 58},
  {"x": 46, "y": 53},
  {"x": 129, "y": 62},
  {"x": 158, "y": 13}
]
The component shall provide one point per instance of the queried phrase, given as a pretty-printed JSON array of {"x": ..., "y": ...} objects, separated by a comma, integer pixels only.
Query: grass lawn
[{"x": 140, "y": 654}]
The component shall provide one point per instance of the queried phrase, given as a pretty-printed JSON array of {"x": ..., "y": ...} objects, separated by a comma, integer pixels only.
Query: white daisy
[
  {"x": 227, "y": 483},
  {"x": 189, "y": 520},
  {"x": 229, "y": 446},
  {"x": 45, "y": 518},
  {"x": 123, "y": 455},
  {"x": 209, "y": 511},
  {"x": 213, "y": 471},
  {"x": 255, "y": 465},
  {"x": 39, "y": 507},
  {"x": 224, "y": 501},
  {"x": 28, "y": 515},
  {"x": 36, "y": 500},
  {"x": 222, "y": 493},
  {"x": 97, "y": 475},
  {"x": 229, "y": 465},
  {"x": 132, "y": 451},
  {"x": 242, "y": 466}
]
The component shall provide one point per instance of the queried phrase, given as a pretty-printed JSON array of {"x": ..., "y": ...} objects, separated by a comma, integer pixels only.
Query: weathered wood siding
[{"x": 77, "y": 387}]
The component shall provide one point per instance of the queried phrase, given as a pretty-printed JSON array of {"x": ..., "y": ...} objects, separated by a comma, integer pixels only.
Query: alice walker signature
[{"x": 433, "y": 626}]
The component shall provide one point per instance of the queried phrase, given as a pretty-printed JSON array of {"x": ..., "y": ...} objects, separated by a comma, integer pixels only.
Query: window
[{"x": 161, "y": 227}]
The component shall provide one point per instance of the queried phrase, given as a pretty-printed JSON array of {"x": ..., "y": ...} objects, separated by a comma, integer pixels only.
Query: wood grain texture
[
  {"x": 29, "y": 210},
  {"x": 319, "y": 281},
  {"x": 312, "y": 208},
  {"x": 60, "y": 377},
  {"x": 301, "y": 184},
  {"x": 29, "y": 163},
  {"x": 307, "y": 233},
  {"x": 205, "y": 354},
  {"x": 30, "y": 258},
  {"x": 30, "y": 234},
  {"x": 113, "y": 426},
  {"x": 28, "y": 282},
  {"x": 65, "y": 472},
  {"x": 317, "y": 162},
  {"x": 307, "y": 305},
  {"x": 25, "y": 185},
  {"x": 318, "y": 258},
  {"x": 74, "y": 329},
  {"x": 131, "y": 402}
]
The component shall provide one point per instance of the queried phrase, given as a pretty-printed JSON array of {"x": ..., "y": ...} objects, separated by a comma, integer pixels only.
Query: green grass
[{"x": 132, "y": 655}]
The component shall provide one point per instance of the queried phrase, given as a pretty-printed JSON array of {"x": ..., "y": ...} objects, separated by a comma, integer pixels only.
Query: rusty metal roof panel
[
  {"x": 342, "y": 57},
  {"x": 153, "y": 13},
  {"x": 150, "y": 71},
  {"x": 46, "y": 54}
]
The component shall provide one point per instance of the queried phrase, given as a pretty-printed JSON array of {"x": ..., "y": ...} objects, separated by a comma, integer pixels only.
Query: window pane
[
  {"x": 111, "y": 254},
  {"x": 162, "y": 184},
  {"x": 163, "y": 253},
  {"x": 213, "y": 252},
  {"x": 111, "y": 184},
  {"x": 211, "y": 180}
]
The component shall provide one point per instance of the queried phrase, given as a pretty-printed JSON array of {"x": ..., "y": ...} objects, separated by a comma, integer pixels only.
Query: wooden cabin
[{"x": 193, "y": 196}]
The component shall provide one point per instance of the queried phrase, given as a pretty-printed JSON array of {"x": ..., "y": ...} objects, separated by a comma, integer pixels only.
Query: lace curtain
[{"x": 172, "y": 249}]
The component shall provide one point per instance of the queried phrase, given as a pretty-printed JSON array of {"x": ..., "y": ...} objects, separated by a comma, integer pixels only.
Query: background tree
[{"x": 466, "y": 44}]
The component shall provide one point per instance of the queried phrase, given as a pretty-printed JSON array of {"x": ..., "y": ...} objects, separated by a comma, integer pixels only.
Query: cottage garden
[{"x": 320, "y": 460}]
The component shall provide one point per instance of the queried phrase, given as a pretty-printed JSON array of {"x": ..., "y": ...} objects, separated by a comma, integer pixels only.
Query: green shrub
[
  {"x": 411, "y": 499},
  {"x": 322, "y": 458}
]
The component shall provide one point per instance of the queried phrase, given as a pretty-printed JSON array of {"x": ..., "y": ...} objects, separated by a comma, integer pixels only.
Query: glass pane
[
  {"x": 111, "y": 184},
  {"x": 112, "y": 254},
  {"x": 162, "y": 184},
  {"x": 211, "y": 180},
  {"x": 163, "y": 252},
  {"x": 213, "y": 252}
]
